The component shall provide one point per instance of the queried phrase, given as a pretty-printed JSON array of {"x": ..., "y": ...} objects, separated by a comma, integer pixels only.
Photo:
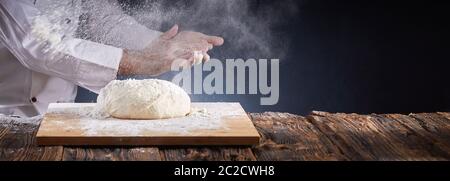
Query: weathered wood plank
[
  {"x": 17, "y": 143},
  {"x": 207, "y": 154},
  {"x": 424, "y": 129},
  {"x": 370, "y": 137},
  {"x": 320, "y": 136},
  {"x": 331, "y": 133},
  {"x": 445, "y": 114},
  {"x": 438, "y": 124},
  {"x": 111, "y": 154},
  {"x": 291, "y": 137}
]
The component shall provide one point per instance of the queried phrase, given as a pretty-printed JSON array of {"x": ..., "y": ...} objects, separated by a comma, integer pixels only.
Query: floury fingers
[{"x": 198, "y": 57}]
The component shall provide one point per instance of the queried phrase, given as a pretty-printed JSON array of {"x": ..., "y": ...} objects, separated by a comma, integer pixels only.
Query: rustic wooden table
[{"x": 319, "y": 136}]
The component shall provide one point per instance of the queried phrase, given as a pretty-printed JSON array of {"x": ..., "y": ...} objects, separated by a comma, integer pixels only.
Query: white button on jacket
[{"x": 30, "y": 78}]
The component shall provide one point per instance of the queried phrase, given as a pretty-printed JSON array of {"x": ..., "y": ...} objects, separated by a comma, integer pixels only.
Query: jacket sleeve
[
  {"x": 85, "y": 63},
  {"x": 112, "y": 26}
]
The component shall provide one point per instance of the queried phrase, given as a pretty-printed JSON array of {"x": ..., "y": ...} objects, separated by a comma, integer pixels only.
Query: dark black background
[
  {"x": 358, "y": 56},
  {"x": 302, "y": 170}
]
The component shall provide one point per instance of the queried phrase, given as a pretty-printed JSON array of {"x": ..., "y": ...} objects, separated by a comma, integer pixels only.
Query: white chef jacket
[{"x": 31, "y": 79}]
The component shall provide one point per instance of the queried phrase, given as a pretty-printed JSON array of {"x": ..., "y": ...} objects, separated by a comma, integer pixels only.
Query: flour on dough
[{"x": 143, "y": 99}]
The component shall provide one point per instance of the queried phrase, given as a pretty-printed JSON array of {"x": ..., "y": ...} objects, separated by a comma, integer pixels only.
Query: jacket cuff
[{"x": 99, "y": 66}]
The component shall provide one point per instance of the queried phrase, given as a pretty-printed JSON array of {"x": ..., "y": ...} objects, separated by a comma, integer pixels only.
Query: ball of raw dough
[{"x": 144, "y": 99}]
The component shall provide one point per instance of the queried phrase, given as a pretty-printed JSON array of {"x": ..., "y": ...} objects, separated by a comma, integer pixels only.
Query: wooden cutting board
[{"x": 210, "y": 124}]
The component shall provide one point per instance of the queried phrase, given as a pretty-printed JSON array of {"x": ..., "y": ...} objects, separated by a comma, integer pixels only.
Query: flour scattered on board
[{"x": 92, "y": 122}]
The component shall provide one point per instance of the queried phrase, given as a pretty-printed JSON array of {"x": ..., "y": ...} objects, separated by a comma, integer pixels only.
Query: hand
[{"x": 157, "y": 58}]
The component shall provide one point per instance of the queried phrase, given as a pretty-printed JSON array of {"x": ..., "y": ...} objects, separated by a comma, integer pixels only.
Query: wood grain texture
[
  {"x": 436, "y": 123},
  {"x": 291, "y": 137},
  {"x": 111, "y": 154},
  {"x": 319, "y": 136},
  {"x": 17, "y": 143},
  {"x": 3, "y": 130},
  {"x": 435, "y": 136},
  {"x": 207, "y": 154},
  {"x": 371, "y": 137},
  {"x": 445, "y": 114}
]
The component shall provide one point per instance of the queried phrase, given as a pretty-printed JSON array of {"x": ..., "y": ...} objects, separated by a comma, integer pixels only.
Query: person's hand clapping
[{"x": 185, "y": 47}]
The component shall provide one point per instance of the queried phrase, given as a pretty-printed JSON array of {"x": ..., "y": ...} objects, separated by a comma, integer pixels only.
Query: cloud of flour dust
[{"x": 249, "y": 27}]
